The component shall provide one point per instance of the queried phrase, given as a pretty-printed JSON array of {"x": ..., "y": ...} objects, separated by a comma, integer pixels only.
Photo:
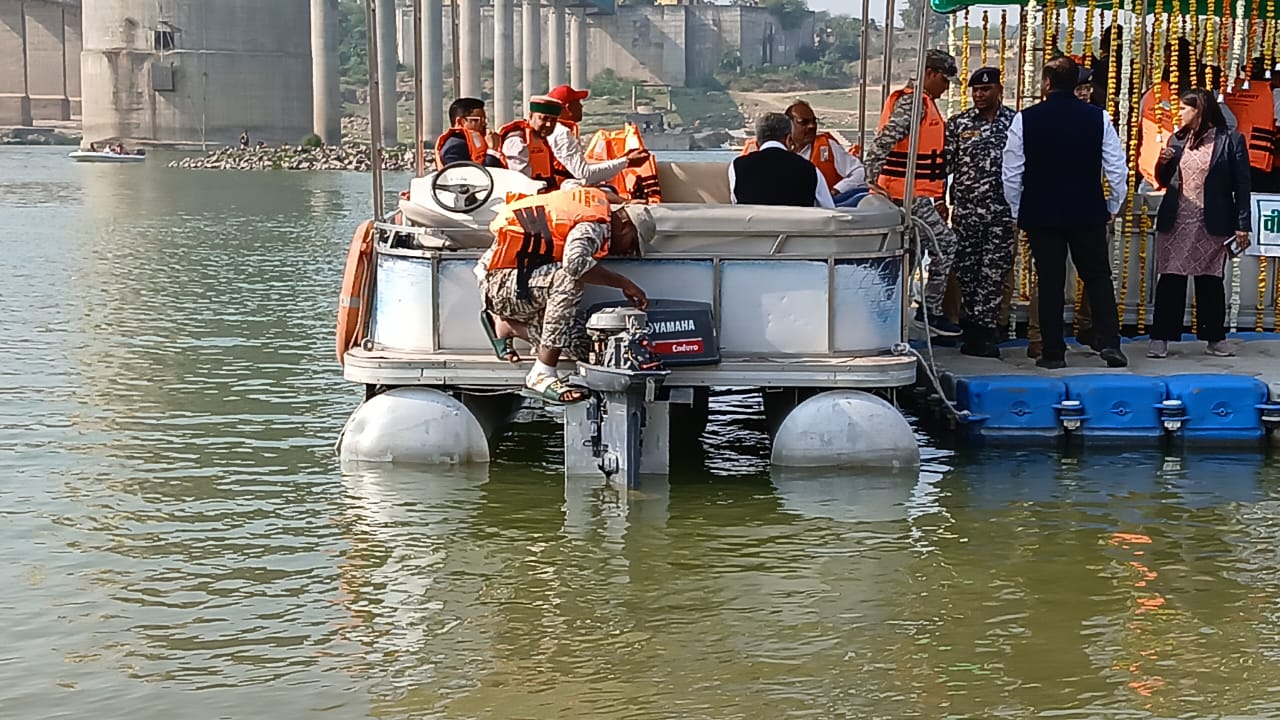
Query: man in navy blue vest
[
  {"x": 1054, "y": 160},
  {"x": 773, "y": 175}
]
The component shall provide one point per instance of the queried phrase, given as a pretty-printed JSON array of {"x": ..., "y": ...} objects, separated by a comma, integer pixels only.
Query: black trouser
[
  {"x": 1171, "y": 305},
  {"x": 1088, "y": 248}
]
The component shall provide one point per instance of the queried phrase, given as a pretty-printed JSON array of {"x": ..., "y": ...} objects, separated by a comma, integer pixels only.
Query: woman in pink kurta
[{"x": 1204, "y": 216}]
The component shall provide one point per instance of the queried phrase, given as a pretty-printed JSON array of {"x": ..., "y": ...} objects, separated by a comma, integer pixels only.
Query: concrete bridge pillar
[
  {"x": 504, "y": 62},
  {"x": 431, "y": 74},
  {"x": 325, "y": 83},
  {"x": 579, "y": 77},
  {"x": 15, "y": 102},
  {"x": 46, "y": 61},
  {"x": 72, "y": 49},
  {"x": 555, "y": 53},
  {"x": 469, "y": 44},
  {"x": 531, "y": 55},
  {"x": 387, "y": 61}
]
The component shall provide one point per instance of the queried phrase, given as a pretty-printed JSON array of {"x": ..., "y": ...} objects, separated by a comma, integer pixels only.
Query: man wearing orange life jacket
[
  {"x": 843, "y": 173},
  {"x": 566, "y": 146},
  {"x": 468, "y": 137},
  {"x": 545, "y": 248},
  {"x": 886, "y": 159},
  {"x": 524, "y": 142}
]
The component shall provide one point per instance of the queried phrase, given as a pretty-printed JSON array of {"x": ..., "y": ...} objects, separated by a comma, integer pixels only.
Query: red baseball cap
[{"x": 566, "y": 94}]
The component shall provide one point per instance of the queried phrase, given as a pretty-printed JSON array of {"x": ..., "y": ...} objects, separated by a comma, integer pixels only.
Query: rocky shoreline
[{"x": 351, "y": 157}]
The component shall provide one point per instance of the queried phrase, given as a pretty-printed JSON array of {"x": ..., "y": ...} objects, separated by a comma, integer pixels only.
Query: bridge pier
[
  {"x": 504, "y": 62},
  {"x": 325, "y": 82},
  {"x": 469, "y": 42},
  {"x": 531, "y": 53},
  {"x": 555, "y": 53},
  {"x": 40, "y": 43},
  {"x": 431, "y": 74},
  {"x": 387, "y": 65},
  {"x": 579, "y": 78}
]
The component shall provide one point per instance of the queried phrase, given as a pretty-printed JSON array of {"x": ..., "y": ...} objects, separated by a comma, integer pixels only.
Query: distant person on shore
[
  {"x": 566, "y": 144},
  {"x": 887, "y": 158},
  {"x": 773, "y": 175},
  {"x": 244, "y": 139},
  {"x": 468, "y": 138},
  {"x": 262, "y": 144}
]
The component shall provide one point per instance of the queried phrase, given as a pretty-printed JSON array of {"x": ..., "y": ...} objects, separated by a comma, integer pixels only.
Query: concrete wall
[
  {"x": 235, "y": 65},
  {"x": 39, "y": 60},
  {"x": 675, "y": 44}
]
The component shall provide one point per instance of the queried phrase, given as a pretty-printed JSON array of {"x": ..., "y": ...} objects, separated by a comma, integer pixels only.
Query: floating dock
[{"x": 1188, "y": 396}]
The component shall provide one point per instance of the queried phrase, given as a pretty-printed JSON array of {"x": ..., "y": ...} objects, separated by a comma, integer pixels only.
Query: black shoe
[
  {"x": 1114, "y": 358},
  {"x": 939, "y": 325},
  {"x": 981, "y": 342},
  {"x": 1051, "y": 363}
]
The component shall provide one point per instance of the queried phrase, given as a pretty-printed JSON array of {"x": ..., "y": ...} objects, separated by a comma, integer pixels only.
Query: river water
[{"x": 177, "y": 540}]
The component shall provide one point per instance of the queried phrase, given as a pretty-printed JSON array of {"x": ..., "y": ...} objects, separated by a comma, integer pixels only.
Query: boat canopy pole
[
  {"x": 375, "y": 109},
  {"x": 887, "y": 75},
  {"x": 917, "y": 105},
  {"x": 419, "y": 112},
  {"x": 863, "y": 52}
]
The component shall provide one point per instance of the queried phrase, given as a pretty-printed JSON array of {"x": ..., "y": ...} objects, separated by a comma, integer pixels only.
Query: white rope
[{"x": 917, "y": 231}]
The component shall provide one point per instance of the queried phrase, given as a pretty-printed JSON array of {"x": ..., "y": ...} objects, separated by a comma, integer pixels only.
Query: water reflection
[{"x": 173, "y": 523}]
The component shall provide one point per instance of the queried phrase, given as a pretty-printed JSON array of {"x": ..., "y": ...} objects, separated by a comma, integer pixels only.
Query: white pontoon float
[{"x": 808, "y": 305}]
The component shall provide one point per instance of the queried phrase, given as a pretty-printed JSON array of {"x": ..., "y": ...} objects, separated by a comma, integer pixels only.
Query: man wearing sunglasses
[
  {"x": 468, "y": 138},
  {"x": 844, "y": 174}
]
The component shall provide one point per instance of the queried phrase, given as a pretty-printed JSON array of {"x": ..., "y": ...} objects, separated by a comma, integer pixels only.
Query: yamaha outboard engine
[{"x": 623, "y": 373}]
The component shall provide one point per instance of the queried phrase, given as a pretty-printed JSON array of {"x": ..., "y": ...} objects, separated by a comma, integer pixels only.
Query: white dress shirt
[
  {"x": 853, "y": 174},
  {"x": 821, "y": 196},
  {"x": 1114, "y": 165},
  {"x": 568, "y": 150}
]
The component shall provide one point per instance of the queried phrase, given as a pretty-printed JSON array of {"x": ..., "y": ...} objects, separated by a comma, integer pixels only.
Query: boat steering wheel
[{"x": 462, "y": 187}]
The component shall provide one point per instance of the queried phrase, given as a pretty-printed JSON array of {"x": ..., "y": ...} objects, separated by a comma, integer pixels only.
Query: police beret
[{"x": 985, "y": 76}]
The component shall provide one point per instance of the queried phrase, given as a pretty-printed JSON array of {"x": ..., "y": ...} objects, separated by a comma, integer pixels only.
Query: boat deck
[
  {"x": 1011, "y": 397},
  {"x": 389, "y": 367}
]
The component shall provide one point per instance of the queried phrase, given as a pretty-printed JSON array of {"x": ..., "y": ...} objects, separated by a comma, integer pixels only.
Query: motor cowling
[{"x": 620, "y": 340}]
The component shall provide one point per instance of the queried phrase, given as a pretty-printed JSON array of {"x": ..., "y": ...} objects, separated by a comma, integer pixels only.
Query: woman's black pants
[{"x": 1171, "y": 305}]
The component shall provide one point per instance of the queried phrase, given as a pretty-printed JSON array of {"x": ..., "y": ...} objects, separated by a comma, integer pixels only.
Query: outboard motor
[{"x": 623, "y": 374}]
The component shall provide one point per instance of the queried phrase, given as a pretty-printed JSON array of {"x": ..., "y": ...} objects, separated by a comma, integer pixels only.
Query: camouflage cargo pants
[
  {"x": 550, "y": 312},
  {"x": 940, "y": 261},
  {"x": 984, "y": 256}
]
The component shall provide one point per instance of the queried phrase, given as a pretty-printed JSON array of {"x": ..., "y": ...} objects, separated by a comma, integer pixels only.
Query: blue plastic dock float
[
  {"x": 1118, "y": 407},
  {"x": 1011, "y": 406},
  {"x": 1220, "y": 408}
]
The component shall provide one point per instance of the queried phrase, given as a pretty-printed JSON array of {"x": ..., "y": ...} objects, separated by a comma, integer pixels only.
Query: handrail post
[
  {"x": 863, "y": 44},
  {"x": 419, "y": 111},
  {"x": 917, "y": 106},
  {"x": 375, "y": 107}
]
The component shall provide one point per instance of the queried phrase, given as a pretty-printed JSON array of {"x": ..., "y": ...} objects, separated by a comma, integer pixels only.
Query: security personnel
[
  {"x": 545, "y": 248},
  {"x": 524, "y": 142},
  {"x": 886, "y": 161},
  {"x": 468, "y": 138},
  {"x": 975, "y": 141}
]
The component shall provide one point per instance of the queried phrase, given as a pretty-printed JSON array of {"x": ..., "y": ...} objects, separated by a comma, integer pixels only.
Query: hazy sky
[{"x": 850, "y": 7}]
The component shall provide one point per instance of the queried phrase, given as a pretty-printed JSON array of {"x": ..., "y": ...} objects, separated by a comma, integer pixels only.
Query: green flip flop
[
  {"x": 502, "y": 347},
  {"x": 555, "y": 391}
]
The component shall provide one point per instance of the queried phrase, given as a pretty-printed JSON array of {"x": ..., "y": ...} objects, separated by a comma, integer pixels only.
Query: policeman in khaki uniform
[
  {"x": 887, "y": 158},
  {"x": 974, "y": 143}
]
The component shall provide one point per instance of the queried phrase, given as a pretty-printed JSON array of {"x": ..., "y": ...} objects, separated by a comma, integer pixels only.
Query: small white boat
[{"x": 105, "y": 157}]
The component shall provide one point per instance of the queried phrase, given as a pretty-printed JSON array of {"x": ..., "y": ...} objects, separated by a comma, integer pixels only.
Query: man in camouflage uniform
[
  {"x": 886, "y": 159},
  {"x": 980, "y": 214}
]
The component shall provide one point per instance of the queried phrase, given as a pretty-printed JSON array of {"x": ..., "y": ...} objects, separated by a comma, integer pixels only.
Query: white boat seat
[{"x": 694, "y": 182}]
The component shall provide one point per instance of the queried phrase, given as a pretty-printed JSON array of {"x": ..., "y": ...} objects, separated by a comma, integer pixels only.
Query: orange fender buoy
[{"x": 353, "y": 301}]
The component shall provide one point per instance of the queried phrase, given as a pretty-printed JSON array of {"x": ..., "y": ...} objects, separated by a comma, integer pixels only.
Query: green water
[{"x": 177, "y": 540}]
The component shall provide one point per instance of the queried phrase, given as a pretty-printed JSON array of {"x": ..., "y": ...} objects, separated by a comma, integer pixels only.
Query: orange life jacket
[
  {"x": 1255, "y": 116},
  {"x": 477, "y": 147},
  {"x": 639, "y": 183},
  {"x": 531, "y": 232},
  {"x": 931, "y": 168},
  {"x": 1155, "y": 129},
  {"x": 822, "y": 155},
  {"x": 542, "y": 163}
]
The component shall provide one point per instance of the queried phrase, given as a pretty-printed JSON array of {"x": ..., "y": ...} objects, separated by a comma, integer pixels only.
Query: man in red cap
[{"x": 567, "y": 147}]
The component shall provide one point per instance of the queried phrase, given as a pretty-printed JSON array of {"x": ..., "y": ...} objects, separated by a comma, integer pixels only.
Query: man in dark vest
[
  {"x": 773, "y": 175},
  {"x": 1054, "y": 160}
]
